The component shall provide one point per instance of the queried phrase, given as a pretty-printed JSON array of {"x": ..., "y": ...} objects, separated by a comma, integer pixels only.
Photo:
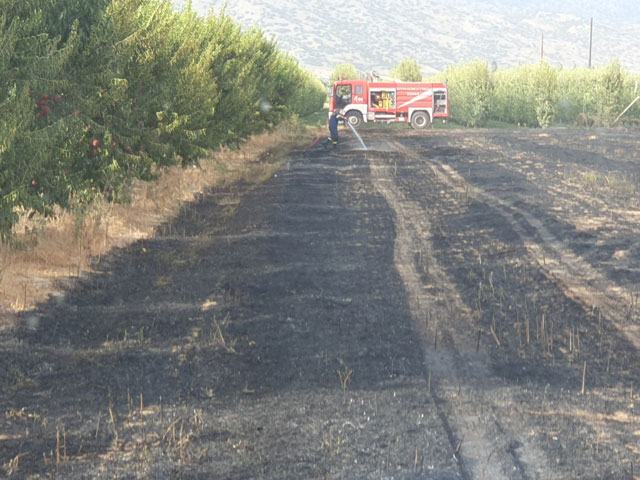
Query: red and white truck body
[{"x": 416, "y": 103}]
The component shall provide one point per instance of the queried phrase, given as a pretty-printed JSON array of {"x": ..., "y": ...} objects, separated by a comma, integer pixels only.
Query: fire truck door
[{"x": 440, "y": 104}]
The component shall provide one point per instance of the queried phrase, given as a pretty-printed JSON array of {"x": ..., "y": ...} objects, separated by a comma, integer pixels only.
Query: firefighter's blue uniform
[{"x": 333, "y": 127}]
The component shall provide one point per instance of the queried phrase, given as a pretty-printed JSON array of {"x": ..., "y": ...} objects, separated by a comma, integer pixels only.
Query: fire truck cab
[{"x": 415, "y": 103}]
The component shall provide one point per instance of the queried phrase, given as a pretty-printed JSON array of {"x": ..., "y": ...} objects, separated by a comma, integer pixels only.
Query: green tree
[
  {"x": 92, "y": 97},
  {"x": 545, "y": 93},
  {"x": 513, "y": 100},
  {"x": 310, "y": 96},
  {"x": 631, "y": 90},
  {"x": 609, "y": 92},
  {"x": 34, "y": 122},
  {"x": 345, "y": 70},
  {"x": 407, "y": 70},
  {"x": 595, "y": 96},
  {"x": 471, "y": 91}
]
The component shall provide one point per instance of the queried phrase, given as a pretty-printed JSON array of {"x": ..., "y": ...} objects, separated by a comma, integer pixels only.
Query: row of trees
[
  {"x": 540, "y": 95},
  {"x": 528, "y": 95},
  {"x": 93, "y": 94}
]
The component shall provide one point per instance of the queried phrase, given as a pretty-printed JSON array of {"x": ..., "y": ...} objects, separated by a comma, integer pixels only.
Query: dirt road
[{"x": 446, "y": 304}]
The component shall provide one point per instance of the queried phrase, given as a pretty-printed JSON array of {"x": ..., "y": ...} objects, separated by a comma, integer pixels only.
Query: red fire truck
[{"x": 417, "y": 103}]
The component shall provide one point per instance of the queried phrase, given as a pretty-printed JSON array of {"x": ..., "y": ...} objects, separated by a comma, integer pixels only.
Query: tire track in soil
[
  {"x": 545, "y": 250},
  {"x": 460, "y": 379},
  {"x": 578, "y": 279}
]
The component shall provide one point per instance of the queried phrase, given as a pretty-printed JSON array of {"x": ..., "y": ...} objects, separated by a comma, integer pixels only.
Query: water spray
[{"x": 354, "y": 131}]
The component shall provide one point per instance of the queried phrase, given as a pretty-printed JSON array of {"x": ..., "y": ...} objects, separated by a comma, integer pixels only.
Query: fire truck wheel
[
  {"x": 354, "y": 119},
  {"x": 420, "y": 120}
]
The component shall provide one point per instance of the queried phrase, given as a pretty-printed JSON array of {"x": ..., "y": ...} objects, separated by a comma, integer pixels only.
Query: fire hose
[
  {"x": 353, "y": 129},
  {"x": 319, "y": 136}
]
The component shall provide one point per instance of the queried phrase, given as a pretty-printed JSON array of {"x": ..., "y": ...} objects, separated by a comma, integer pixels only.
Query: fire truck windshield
[{"x": 343, "y": 95}]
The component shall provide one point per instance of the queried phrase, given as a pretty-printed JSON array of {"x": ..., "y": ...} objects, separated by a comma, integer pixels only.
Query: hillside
[{"x": 377, "y": 34}]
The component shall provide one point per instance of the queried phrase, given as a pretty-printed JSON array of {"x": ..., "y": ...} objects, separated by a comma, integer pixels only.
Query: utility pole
[
  {"x": 590, "y": 41},
  {"x": 542, "y": 48}
]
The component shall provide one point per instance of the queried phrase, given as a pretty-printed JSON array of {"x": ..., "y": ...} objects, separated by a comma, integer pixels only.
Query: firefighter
[
  {"x": 333, "y": 127},
  {"x": 386, "y": 101}
]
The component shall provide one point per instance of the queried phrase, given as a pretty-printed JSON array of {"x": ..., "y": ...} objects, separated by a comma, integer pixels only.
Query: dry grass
[
  {"x": 609, "y": 184},
  {"x": 55, "y": 251}
]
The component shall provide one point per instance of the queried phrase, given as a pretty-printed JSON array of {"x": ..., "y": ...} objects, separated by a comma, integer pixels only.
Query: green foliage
[
  {"x": 513, "y": 102},
  {"x": 609, "y": 89},
  {"x": 594, "y": 96},
  {"x": 526, "y": 95},
  {"x": 94, "y": 94},
  {"x": 407, "y": 70},
  {"x": 345, "y": 71},
  {"x": 310, "y": 95},
  {"x": 544, "y": 92},
  {"x": 34, "y": 128},
  {"x": 540, "y": 95},
  {"x": 471, "y": 91}
]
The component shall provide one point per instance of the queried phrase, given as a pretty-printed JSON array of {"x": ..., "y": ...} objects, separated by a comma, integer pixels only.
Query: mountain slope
[{"x": 377, "y": 34}]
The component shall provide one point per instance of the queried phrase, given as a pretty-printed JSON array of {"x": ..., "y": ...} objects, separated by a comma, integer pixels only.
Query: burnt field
[{"x": 445, "y": 304}]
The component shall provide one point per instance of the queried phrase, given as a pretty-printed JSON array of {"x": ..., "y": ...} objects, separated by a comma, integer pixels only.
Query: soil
[{"x": 444, "y": 305}]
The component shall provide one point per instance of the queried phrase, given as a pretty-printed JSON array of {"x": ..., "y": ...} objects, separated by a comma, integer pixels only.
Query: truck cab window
[
  {"x": 383, "y": 99},
  {"x": 343, "y": 95}
]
